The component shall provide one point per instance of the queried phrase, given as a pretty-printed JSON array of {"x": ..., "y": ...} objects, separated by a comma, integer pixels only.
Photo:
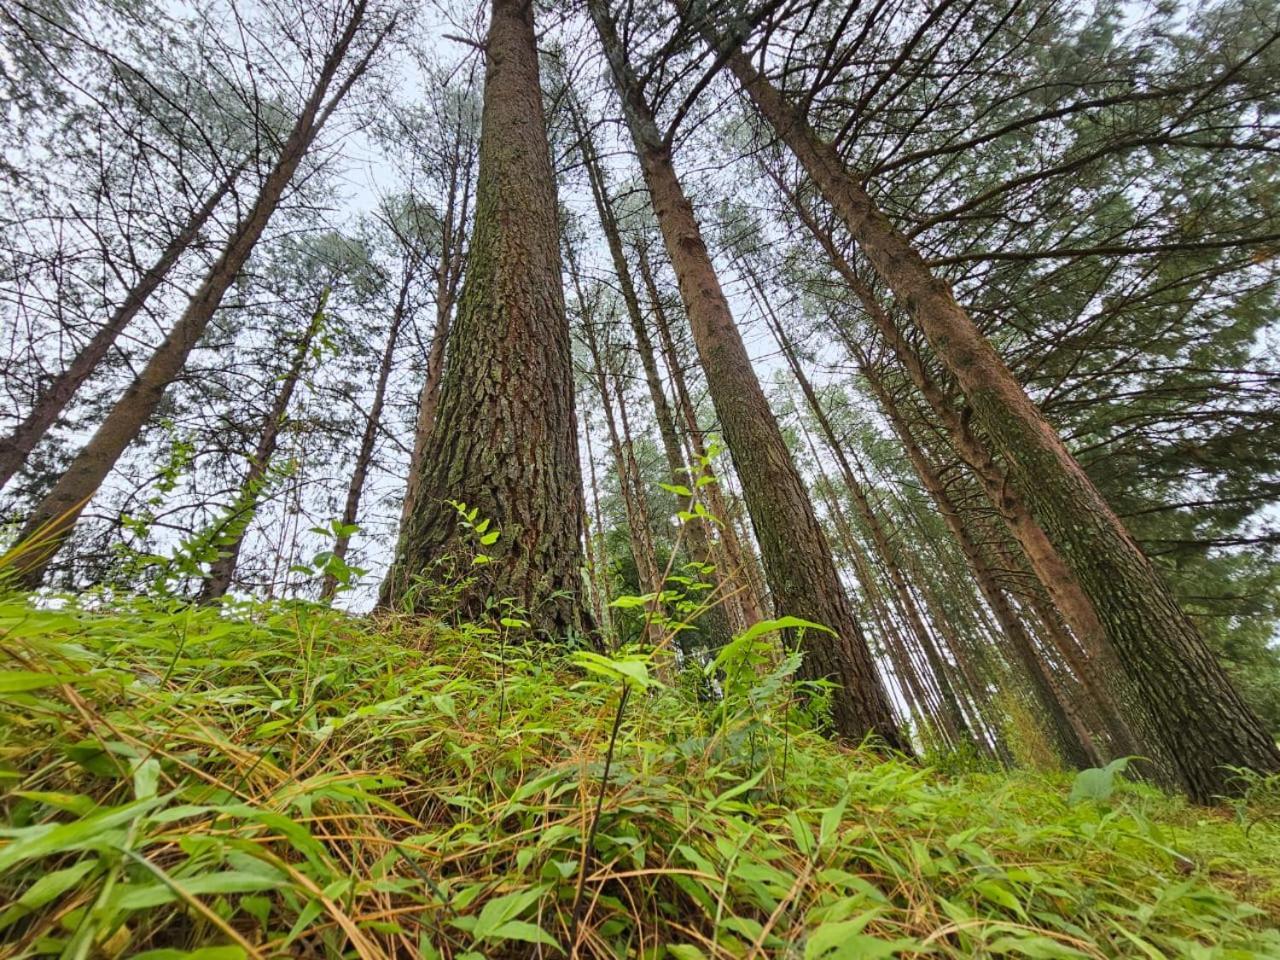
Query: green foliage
[
  {"x": 1097, "y": 783},
  {"x": 279, "y": 781},
  {"x": 328, "y": 563}
]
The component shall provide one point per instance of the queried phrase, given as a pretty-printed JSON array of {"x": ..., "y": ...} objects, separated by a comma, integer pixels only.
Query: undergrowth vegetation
[{"x": 271, "y": 781}]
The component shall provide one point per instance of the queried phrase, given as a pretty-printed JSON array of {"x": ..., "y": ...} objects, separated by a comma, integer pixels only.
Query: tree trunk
[
  {"x": 1193, "y": 721},
  {"x": 53, "y": 520},
  {"x": 373, "y": 422},
  {"x": 952, "y": 715},
  {"x": 630, "y": 484},
  {"x": 797, "y": 558},
  {"x": 1048, "y": 566},
  {"x": 505, "y": 436},
  {"x": 714, "y": 619},
  {"x": 54, "y": 398},
  {"x": 1063, "y": 723},
  {"x": 222, "y": 572},
  {"x": 744, "y": 591}
]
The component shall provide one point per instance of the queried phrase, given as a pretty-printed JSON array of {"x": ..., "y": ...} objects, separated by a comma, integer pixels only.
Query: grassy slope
[{"x": 295, "y": 783}]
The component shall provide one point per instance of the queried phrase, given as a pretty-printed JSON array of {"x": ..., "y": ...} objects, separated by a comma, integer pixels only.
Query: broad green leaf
[
  {"x": 24, "y": 681},
  {"x": 45, "y": 890},
  {"x": 46, "y": 839},
  {"x": 521, "y": 930},
  {"x": 146, "y": 778},
  {"x": 1097, "y": 783},
  {"x": 137, "y": 897},
  {"x": 502, "y": 909}
]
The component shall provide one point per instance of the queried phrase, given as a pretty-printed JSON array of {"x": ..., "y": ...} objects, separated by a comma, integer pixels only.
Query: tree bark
[
  {"x": 505, "y": 436},
  {"x": 53, "y": 520},
  {"x": 797, "y": 558},
  {"x": 1193, "y": 722}
]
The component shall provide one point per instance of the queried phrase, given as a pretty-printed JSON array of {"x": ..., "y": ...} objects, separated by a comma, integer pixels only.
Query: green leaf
[
  {"x": 831, "y": 822},
  {"x": 45, "y": 839},
  {"x": 685, "y": 951},
  {"x": 45, "y": 890},
  {"x": 24, "y": 681},
  {"x": 1037, "y": 947},
  {"x": 201, "y": 953},
  {"x": 136, "y": 897},
  {"x": 846, "y": 941},
  {"x": 736, "y": 791},
  {"x": 1097, "y": 783},
  {"x": 528, "y": 932},
  {"x": 146, "y": 778},
  {"x": 630, "y": 670},
  {"x": 501, "y": 910}
]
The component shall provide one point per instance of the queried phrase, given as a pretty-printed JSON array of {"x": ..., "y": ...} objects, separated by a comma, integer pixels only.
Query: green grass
[{"x": 286, "y": 781}]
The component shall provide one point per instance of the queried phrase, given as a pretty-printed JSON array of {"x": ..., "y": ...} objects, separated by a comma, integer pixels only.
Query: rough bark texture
[
  {"x": 797, "y": 558},
  {"x": 53, "y": 399},
  {"x": 505, "y": 437},
  {"x": 222, "y": 572},
  {"x": 1191, "y": 719},
  {"x": 53, "y": 520}
]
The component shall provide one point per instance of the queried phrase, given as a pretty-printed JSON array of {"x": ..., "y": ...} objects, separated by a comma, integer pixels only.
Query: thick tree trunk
[
  {"x": 1192, "y": 720},
  {"x": 54, "y": 398},
  {"x": 53, "y": 520},
  {"x": 797, "y": 558},
  {"x": 222, "y": 572},
  {"x": 505, "y": 436},
  {"x": 373, "y": 423}
]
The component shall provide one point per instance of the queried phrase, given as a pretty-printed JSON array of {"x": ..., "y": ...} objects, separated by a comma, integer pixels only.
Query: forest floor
[{"x": 279, "y": 781}]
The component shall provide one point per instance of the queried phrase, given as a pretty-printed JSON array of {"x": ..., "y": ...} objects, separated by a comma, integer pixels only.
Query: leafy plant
[
  {"x": 283, "y": 780},
  {"x": 1097, "y": 783}
]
